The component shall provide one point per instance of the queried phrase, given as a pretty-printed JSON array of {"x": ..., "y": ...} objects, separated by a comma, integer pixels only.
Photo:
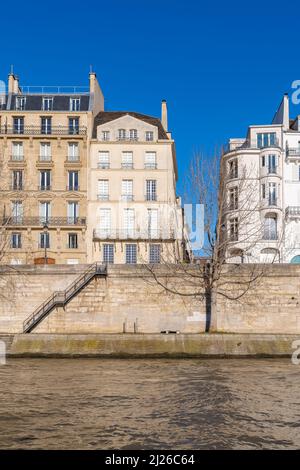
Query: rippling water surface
[{"x": 149, "y": 404}]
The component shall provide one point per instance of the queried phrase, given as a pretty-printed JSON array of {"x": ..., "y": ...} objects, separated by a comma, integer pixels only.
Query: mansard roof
[{"x": 34, "y": 102}]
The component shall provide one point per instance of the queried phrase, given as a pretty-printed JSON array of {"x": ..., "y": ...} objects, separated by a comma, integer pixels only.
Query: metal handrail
[
  {"x": 62, "y": 297},
  {"x": 38, "y": 130}
]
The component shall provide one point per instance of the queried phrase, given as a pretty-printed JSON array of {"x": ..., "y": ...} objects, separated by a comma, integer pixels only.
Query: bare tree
[{"x": 233, "y": 228}]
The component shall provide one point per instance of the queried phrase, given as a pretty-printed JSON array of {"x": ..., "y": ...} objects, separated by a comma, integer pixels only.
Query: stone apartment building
[
  {"x": 134, "y": 214},
  {"x": 261, "y": 176},
  {"x": 67, "y": 167}
]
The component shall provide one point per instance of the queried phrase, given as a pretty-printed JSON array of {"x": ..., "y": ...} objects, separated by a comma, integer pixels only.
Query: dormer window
[
  {"x": 74, "y": 104},
  {"x": 121, "y": 134},
  {"x": 105, "y": 135},
  {"x": 47, "y": 104},
  {"x": 133, "y": 135},
  {"x": 20, "y": 103},
  {"x": 149, "y": 136}
]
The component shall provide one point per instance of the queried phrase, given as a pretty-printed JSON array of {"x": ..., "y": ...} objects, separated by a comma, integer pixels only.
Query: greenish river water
[{"x": 149, "y": 404}]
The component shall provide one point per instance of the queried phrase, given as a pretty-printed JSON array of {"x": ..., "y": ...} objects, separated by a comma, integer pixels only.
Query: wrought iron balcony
[
  {"x": 292, "y": 212},
  {"x": 111, "y": 234},
  {"x": 41, "y": 221},
  {"x": 38, "y": 130},
  {"x": 293, "y": 152},
  {"x": 103, "y": 197}
]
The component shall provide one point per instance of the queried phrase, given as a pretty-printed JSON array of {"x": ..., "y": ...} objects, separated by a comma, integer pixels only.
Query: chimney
[
  {"x": 13, "y": 83},
  {"x": 164, "y": 115},
  {"x": 286, "y": 112}
]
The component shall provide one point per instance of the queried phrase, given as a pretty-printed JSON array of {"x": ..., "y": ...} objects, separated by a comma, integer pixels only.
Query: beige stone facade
[
  {"x": 134, "y": 214},
  {"x": 55, "y": 180}
]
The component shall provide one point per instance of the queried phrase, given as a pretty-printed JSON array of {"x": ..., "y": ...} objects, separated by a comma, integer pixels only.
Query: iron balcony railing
[
  {"x": 110, "y": 234},
  {"x": 292, "y": 211},
  {"x": 41, "y": 221},
  {"x": 61, "y": 298},
  {"x": 293, "y": 152},
  {"x": 38, "y": 130}
]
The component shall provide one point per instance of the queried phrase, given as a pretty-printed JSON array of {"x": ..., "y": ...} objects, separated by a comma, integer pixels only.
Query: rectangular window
[
  {"x": 233, "y": 199},
  {"x": 272, "y": 194},
  {"x": 20, "y": 103},
  {"x": 272, "y": 164},
  {"x": 45, "y": 211},
  {"x": 72, "y": 241},
  {"x": 151, "y": 194},
  {"x": 263, "y": 161},
  {"x": 74, "y": 104},
  {"x": 73, "y": 212},
  {"x": 73, "y": 152},
  {"x": 17, "y": 151},
  {"x": 45, "y": 151},
  {"x": 154, "y": 253},
  {"x": 17, "y": 180},
  {"x": 17, "y": 211},
  {"x": 73, "y": 180},
  {"x": 270, "y": 228},
  {"x": 133, "y": 134},
  {"x": 131, "y": 253},
  {"x": 127, "y": 190},
  {"x": 153, "y": 223},
  {"x": 233, "y": 168},
  {"x": 266, "y": 139},
  {"x": 46, "y": 125},
  {"x": 149, "y": 136},
  {"x": 127, "y": 160},
  {"x": 44, "y": 240},
  {"x": 233, "y": 230},
  {"x": 45, "y": 180},
  {"x": 103, "y": 190},
  {"x": 150, "y": 160},
  {"x": 103, "y": 159},
  {"x": 263, "y": 191},
  {"x": 121, "y": 134},
  {"x": 16, "y": 240},
  {"x": 108, "y": 253},
  {"x": 105, "y": 222},
  {"x": 18, "y": 124},
  {"x": 105, "y": 135},
  {"x": 129, "y": 222},
  {"x": 74, "y": 126},
  {"x": 47, "y": 104}
]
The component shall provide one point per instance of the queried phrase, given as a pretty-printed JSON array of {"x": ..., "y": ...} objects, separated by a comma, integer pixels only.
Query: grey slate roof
[
  {"x": 60, "y": 102},
  {"x": 107, "y": 116}
]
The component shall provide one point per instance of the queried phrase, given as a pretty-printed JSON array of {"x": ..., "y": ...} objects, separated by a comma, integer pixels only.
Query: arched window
[
  {"x": 295, "y": 260},
  {"x": 270, "y": 227}
]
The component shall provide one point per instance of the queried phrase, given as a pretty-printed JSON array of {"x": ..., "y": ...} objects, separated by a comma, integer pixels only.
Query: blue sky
[{"x": 220, "y": 65}]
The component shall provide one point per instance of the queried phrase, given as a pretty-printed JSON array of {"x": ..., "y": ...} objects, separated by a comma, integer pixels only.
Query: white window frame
[
  {"x": 127, "y": 159},
  {"x": 103, "y": 159},
  {"x": 103, "y": 189},
  {"x": 73, "y": 151},
  {"x": 17, "y": 151}
]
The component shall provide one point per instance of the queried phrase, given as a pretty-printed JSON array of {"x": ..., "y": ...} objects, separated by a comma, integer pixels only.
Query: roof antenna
[
  {"x": 11, "y": 69},
  {"x": 91, "y": 69}
]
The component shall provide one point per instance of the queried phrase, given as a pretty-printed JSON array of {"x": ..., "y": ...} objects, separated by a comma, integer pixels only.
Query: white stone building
[{"x": 261, "y": 174}]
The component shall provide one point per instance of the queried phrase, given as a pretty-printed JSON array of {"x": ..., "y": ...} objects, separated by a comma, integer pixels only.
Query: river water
[{"x": 149, "y": 404}]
